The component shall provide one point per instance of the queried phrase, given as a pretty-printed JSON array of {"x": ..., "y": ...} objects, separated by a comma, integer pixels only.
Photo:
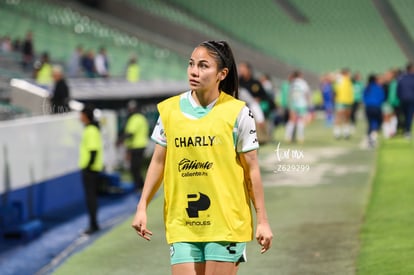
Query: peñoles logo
[
  {"x": 186, "y": 165},
  {"x": 197, "y": 203}
]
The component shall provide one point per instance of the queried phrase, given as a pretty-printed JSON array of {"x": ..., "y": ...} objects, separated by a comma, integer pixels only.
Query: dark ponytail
[
  {"x": 89, "y": 110},
  {"x": 223, "y": 54}
]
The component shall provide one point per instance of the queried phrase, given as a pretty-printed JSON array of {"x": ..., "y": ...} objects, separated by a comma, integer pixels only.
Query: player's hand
[
  {"x": 264, "y": 236},
  {"x": 140, "y": 225}
]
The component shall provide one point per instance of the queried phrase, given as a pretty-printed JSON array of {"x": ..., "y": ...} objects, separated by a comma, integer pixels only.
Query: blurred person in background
[
  {"x": 344, "y": 98},
  {"x": 395, "y": 101},
  {"x": 27, "y": 50},
  {"x": 358, "y": 87},
  {"x": 60, "y": 97},
  {"x": 299, "y": 103},
  {"x": 273, "y": 116},
  {"x": 255, "y": 88},
  {"x": 254, "y": 107},
  {"x": 75, "y": 62},
  {"x": 267, "y": 85},
  {"x": 284, "y": 98},
  {"x": 405, "y": 92},
  {"x": 373, "y": 98},
  {"x": 135, "y": 138},
  {"x": 17, "y": 45},
  {"x": 328, "y": 98},
  {"x": 6, "y": 44},
  {"x": 88, "y": 64},
  {"x": 133, "y": 70},
  {"x": 43, "y": 71},
  {"x": 391, "y": 103},
  {"x": 102, "y": 63},
  {"x": 91, "y": 164}
]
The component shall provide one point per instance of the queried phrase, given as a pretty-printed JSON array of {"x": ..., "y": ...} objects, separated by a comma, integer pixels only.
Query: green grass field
[
  {"x": 387, "y": 235},
  {"x": 316, "y": 216}
]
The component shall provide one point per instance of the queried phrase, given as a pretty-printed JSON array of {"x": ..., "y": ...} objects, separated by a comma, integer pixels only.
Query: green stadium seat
[
  {"x": 339, "y": 33},
  {"x": 59, "y": 30},
  {"x": 404, "y": 9}
]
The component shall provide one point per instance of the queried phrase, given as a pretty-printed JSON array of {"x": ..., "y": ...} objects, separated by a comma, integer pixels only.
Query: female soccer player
[{"x": 206, "y": 155}]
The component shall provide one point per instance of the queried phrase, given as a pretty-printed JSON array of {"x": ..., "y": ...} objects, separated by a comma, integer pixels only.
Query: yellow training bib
[{"x": 206, "y": 198}]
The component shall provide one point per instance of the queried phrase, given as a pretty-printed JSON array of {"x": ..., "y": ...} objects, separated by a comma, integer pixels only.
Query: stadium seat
[
  {"x": 59, "y": 30},
  {"x": 404, "y": 9},
  {"x": 339, "y": 33}
]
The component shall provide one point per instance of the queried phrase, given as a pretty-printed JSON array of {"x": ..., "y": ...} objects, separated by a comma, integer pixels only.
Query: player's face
[
  {"x": 202, "y": 71},
  {"x": 84, "y": 119},
  {"x": 243, "y": 70}
]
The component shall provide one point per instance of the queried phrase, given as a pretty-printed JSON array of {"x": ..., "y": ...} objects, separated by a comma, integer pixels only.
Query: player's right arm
[{"x": 152, "y": 183}]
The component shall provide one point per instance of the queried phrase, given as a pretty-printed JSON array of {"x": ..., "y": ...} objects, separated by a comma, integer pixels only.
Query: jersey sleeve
[
  {"x": 246, "y": 137},
  {"x": 158, "y": 134}
]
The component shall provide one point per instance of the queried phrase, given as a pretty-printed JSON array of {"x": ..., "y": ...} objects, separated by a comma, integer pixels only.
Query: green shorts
[
  {"x": 387, "y": 108},
  {"x": 300, "y": 111},
  {"x": 198, "y": 252},
  {"x": 342, "y": 106}
]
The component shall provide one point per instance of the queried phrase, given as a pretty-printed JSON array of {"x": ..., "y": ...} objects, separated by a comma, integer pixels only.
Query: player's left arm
[
  {"x": 246, "y": 146},
  {"x": 253, "y": 180}
]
